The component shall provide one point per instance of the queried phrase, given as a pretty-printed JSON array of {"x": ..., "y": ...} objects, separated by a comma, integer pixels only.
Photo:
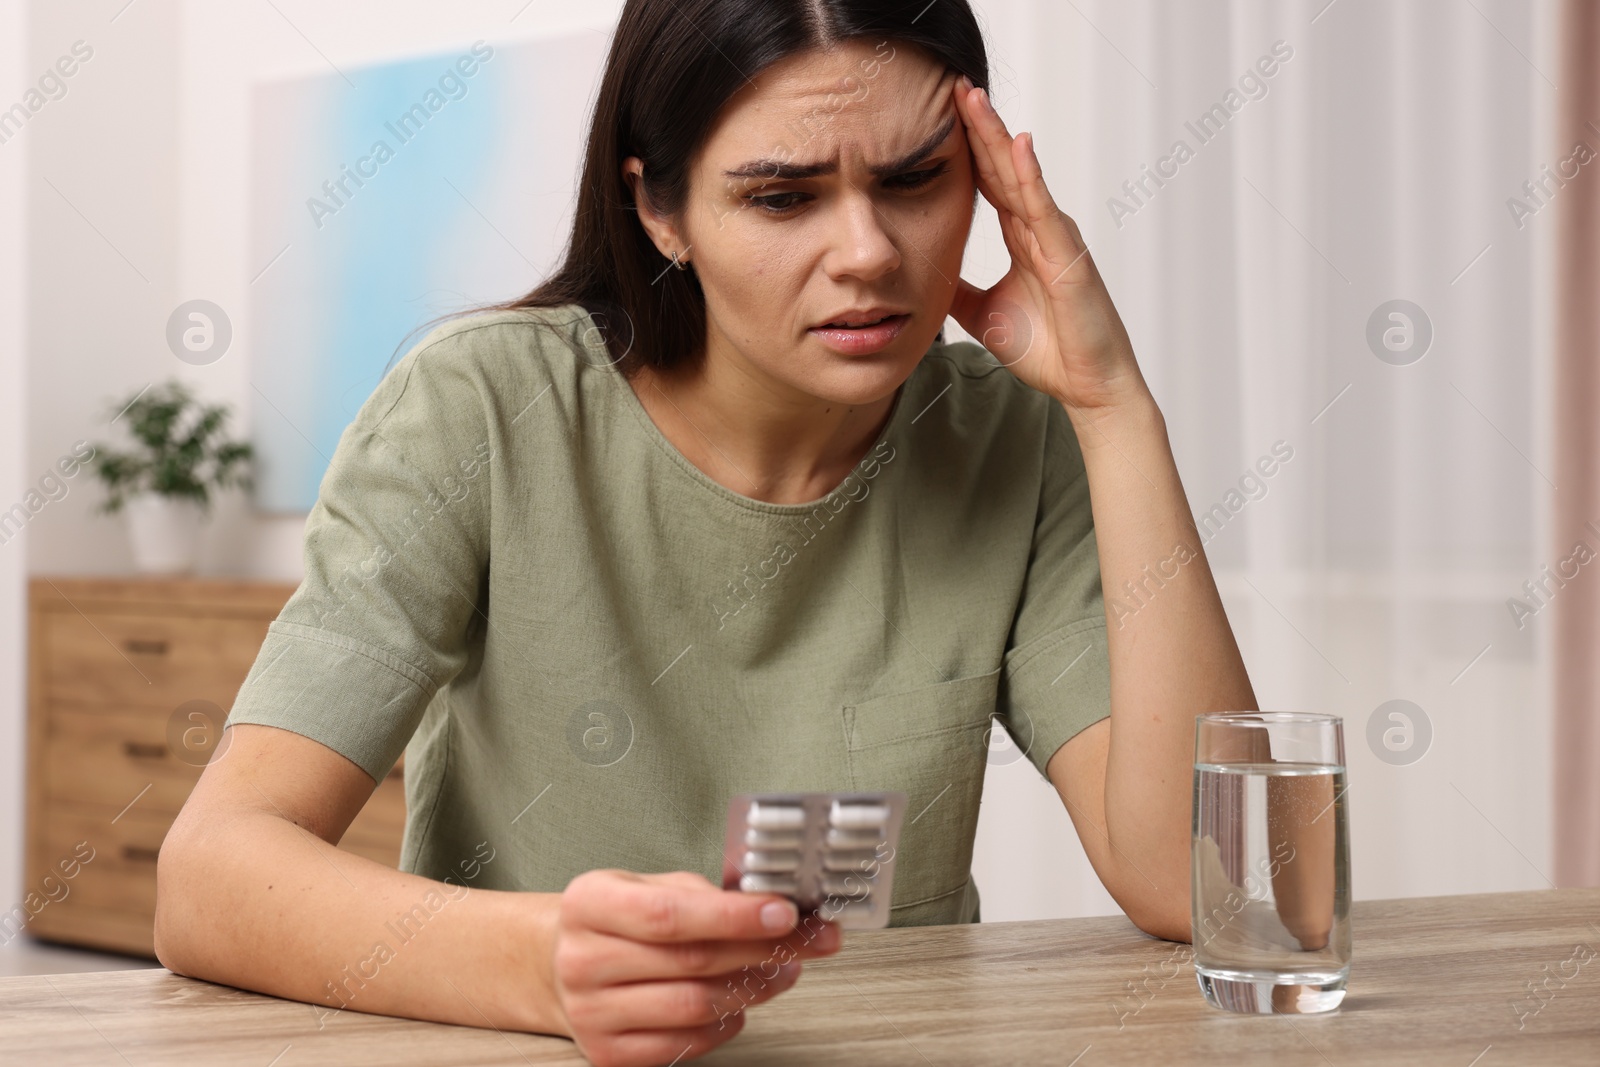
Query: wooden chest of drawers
[{"x": 127, "y": 678}]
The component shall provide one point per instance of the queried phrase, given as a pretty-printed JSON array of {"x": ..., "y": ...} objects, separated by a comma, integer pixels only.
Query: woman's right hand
[{"x": 658, "y": 968}]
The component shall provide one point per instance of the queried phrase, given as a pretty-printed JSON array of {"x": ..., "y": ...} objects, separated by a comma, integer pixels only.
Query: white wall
[
  {"x": 103, "y": 203},
  {"x": 13, "y": 454},
  {"x": 151, "y": 145}
]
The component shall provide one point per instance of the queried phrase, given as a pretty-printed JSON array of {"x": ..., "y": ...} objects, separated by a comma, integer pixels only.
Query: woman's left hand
[{"x": 1050, "y": 320}]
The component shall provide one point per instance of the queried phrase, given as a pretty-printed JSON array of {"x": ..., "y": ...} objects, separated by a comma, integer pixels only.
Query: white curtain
[{"x": 1374, "y": 164}]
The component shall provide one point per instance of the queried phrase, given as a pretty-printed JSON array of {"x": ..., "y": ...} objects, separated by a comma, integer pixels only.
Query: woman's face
[{"x": 827, "y": 216}]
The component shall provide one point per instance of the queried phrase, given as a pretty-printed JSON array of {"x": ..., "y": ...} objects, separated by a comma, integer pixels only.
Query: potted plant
[{"x": 164, "y": 485}]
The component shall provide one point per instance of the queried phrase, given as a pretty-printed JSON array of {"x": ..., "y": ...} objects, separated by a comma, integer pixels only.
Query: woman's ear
[{"x": 662, "y": 230}]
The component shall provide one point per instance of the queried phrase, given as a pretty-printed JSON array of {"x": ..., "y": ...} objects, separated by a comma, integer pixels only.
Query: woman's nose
[{"x": 864, "y": 242}]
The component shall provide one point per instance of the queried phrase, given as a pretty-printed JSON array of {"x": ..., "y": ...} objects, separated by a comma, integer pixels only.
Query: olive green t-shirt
[{"x": 585, "y": 645}]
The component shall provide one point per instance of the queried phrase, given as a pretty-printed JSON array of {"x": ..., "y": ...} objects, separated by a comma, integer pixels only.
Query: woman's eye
[
  {"x": 777, "y": 203},
  {"x": 784, "y": 203},
  {"x": 915, "y": 179}
]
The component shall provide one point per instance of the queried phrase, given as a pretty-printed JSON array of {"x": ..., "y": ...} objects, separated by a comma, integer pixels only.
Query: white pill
[
  {"x": 772, "y": 839},
  {"x": 776, "y": 816},
  {"x": 858, "y": 816},
  {"x": 838, "y": 838},
  {"x": 849, "y": 861},
  {"x": 771, "y": 861},
  {"x": 768, "y": 883}
]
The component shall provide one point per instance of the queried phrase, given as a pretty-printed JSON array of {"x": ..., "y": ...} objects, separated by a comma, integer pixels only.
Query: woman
[{"x": 715, "y": 510}]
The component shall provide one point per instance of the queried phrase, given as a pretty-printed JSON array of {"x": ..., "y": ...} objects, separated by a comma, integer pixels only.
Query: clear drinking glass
[{"x": 1270, "y": 869}]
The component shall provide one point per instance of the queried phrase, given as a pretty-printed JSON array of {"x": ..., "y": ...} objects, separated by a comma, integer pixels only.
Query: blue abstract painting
[{"x": 383, "y": 198}]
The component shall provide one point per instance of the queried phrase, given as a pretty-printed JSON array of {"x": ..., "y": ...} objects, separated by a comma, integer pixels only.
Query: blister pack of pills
[{"x": 831, "y": 853}]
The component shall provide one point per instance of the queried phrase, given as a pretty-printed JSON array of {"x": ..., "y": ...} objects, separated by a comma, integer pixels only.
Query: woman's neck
[{"x": 754, "y": 435}]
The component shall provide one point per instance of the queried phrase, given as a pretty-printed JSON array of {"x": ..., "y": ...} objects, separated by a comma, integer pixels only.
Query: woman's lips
[{"x": 861, "y": 340}]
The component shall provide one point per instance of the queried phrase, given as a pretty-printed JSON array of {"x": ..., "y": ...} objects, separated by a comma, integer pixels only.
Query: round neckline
[{"x": 652, "y": 431}]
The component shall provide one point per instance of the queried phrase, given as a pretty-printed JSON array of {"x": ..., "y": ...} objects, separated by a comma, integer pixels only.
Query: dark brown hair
[{"x": 673, "y": 65}]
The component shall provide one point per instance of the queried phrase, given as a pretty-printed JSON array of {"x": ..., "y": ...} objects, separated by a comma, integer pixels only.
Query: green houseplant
[{"x": 164, "y": 485}]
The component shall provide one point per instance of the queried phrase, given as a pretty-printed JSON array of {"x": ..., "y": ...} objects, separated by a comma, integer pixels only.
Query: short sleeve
[
  {"x": 395, "y": 552},
  {"x": 1057, "y": 677}
]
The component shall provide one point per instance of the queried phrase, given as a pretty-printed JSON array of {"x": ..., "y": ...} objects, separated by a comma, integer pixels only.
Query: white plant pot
[{"x": 165, "y": 532}]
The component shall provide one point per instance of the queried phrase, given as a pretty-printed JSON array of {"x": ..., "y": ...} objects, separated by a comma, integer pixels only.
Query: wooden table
[{"x": 1436, "y": 980}]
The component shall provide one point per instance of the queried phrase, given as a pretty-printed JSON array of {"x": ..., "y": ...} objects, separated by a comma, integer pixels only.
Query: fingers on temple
[
  {"x": 989, "y": 143},
  {"x": 997, "y": 143},
  {"x": 1047, "y": 221},
  {"x": 1013, "y": 181}
]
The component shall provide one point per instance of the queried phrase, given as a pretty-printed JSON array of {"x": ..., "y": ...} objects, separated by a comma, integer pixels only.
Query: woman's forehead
[{"x": 876, "y": 99}]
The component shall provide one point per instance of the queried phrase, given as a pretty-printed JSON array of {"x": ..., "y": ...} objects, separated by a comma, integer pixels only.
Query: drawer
[
  {"x": 111, "y": 903},
  {"x": 107, "y": 757},
  {"x": 120, "y": 879},
  {"x": 116, "y": 659},
  {"x": 126, "y": 850}
]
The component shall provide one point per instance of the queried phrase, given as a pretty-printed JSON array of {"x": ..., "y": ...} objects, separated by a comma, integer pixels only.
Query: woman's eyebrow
[{"x": 774, "y": 170}]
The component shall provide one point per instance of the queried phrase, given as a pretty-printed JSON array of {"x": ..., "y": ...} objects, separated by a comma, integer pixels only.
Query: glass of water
[{"x": 1270, "y": 861}]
